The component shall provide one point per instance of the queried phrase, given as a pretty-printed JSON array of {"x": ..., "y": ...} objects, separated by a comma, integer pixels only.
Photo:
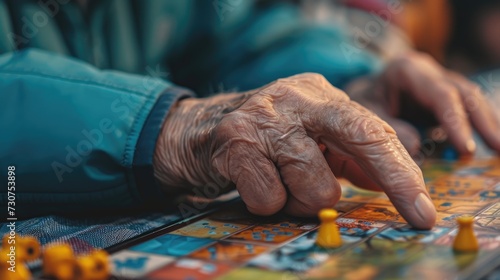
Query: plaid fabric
[{"x": 86, "y": 233}]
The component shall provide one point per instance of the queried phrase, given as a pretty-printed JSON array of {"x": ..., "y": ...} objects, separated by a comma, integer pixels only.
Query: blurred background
[{"x": 463, "y": 35}]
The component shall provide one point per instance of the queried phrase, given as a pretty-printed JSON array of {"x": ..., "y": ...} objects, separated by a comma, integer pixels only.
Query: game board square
[
  {"x": 207, "y": 228},
  {"x": 134, "y": 264},
  {"x": 487, "y": 223},
  {"x": 493, "y": 210},
  {"x": 229, "y": 252},
  {"x": 190, "y": 269},
  {"x": 299, "y": 255},
  {"x": 267, "y": 234},
  {"x": 354, "y": 230},
  {"x": 405, "y": 233},
  {"x": 172, "y": 245},
  {"x": 375, "y": 212}
]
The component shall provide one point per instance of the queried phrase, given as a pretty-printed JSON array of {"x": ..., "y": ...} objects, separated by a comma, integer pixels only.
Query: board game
[{"x": 229, "y": 243}]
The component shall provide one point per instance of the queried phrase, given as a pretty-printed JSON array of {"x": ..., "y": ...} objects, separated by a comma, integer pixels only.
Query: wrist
[{"x": 182, "y": 159}]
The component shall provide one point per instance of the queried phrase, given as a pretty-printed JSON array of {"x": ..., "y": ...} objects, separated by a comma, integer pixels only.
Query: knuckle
[
  {"x": 366, "y": 130},
  {"x": 449, "y": 93}
]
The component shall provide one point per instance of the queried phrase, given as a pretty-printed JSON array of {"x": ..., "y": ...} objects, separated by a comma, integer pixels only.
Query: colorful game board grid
[
  {"x": 190, "y": 269},
  {"x": 404, "y": 233},
  {"x": 134, "y": 264},
  {"x": 233, "y": 252},
  {"x": 207, "y": 228},
  {"x": 302, "y": 254},
  {"x": 172, "y": 245},
  {"x": 487, "y": 223},
  {"x": 375, "y": 212},
  {"x": 267, "y": 234}
]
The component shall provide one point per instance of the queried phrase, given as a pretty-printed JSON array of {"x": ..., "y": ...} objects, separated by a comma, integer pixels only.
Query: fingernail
[
  {"x": 471, "y": 146},
  {"x": 424, "y": 207}
]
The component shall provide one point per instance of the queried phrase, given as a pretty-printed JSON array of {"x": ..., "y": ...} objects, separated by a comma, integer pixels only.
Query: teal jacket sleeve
[
  {"x": 249, "y": 45},
  {"x": 78, "y": 137}
]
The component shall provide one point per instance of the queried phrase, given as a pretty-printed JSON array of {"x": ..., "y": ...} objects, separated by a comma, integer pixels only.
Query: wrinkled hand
[
  {"x": 416, "y": 88},
  {"x": 266, "y": 143}
]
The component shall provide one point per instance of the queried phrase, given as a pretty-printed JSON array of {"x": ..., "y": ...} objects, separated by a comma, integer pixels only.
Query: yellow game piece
[
  {"x": 59, "y": 262},
  {"x": 328, "y": 233},
  {"x": 94, "y": 266},
  {"x": 466, "y": 240},
  {"x": 16, "y": 250},
  {"x": 27, "y": 248},
  {"x": 12, "y": 268}
]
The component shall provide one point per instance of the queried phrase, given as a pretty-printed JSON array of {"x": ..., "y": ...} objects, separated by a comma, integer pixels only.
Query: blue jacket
[{"x": 84, "y": 91}]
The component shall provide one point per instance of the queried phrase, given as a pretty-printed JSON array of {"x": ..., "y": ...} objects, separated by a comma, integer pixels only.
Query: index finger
[{"x": 349, "y": 130}]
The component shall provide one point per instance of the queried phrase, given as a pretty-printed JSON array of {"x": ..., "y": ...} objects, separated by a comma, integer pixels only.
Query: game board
[{"x": 229, "y": 243}]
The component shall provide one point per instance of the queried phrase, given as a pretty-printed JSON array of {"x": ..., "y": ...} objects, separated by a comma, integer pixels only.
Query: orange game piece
[
  {"x": 59, "y": 262},
  {"x": 16, "y": 250},
  {"x": 94, "y": 266},
  {"x": 328, "y": 233},
  {"x": 466, "y": 240},
  {"x": 19, "y": 272},
  {"x": 27, "y": 247}
]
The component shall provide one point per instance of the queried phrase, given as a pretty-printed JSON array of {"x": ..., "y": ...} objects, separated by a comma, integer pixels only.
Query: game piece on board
[
  {"x": 94, "y": 266},
  {"x": 12, "y": 271},
  {"x": 27, "y": 247},
  {"x": 59, "y": 262},
  {"x": 466, "y": 240},
  {"x": 328, "y": 233},
  {"x": 16, "y": 250}
]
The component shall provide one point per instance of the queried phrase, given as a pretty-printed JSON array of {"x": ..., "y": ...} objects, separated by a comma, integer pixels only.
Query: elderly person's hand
[
  {"x": 266, "y": 143},
  {"x": 417, "y": 89}
]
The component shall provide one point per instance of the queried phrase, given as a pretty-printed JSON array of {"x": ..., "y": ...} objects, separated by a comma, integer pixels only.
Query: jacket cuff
[{"x": 142, "y": 165}]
